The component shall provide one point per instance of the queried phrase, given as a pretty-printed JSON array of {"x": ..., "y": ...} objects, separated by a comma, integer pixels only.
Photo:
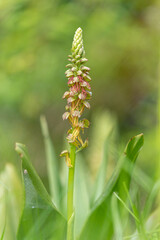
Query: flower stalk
[
  {"x": 70, "y": 204},
  {"x": 77, "y": 100}
]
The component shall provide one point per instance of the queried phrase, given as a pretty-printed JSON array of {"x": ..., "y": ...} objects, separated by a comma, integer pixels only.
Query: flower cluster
[{"x": 78, "y": 95}]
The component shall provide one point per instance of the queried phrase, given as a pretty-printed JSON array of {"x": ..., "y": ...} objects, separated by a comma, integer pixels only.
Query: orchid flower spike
[{"x": 78, "y": 94}]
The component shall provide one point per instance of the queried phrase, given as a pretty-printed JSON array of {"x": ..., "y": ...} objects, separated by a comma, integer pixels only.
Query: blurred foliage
[
  {"x": 121, "y": 41},
  {"x": 11, "y": 201}
]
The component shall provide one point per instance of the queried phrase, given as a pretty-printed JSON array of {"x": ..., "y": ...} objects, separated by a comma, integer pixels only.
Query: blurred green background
[{"x": 121, "y": 39}]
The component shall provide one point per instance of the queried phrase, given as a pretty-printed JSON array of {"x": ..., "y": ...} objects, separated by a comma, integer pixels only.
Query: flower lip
[
  {"x": 70, "y": 100},
  {"x": 82, "y": 96},
  {"x": 76, "y": 114},
  {"x": 86, "y": 104},
  {"x": 66, "y": 94},
  {"x": 75, "y": 79},
  {"x": 65, "y": 115}
]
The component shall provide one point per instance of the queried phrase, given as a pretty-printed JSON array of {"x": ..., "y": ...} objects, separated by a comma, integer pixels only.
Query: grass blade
[
  {"x": 52, "y": 164},
  {"x": 116, "y": 219},
  {"x": 126, "y": 207}
]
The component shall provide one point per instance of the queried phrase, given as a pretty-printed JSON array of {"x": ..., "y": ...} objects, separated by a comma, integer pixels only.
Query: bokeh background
[{"x": 121, "y": 39}]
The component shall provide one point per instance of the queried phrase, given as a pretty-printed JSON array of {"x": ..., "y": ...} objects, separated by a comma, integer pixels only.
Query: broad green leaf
[
  {"x": 131, "y": 152},
  {"x": 81, "y": 196},
  {"x": 11, "y": 202},
  {"x": 36, "y": 181},
  {"x": 52, "y": 165},
  {"x": 40, "y": 219},
  {"x": 99, "y": 224}
]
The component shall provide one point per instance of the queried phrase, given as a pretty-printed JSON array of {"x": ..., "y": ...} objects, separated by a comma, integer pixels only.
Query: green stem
[
  {"x": 158, "y": 131},
  {"x": 70, "y": 203}
]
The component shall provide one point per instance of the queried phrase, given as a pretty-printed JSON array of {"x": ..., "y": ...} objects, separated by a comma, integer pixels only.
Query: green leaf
[
  {"x": 11, "y": 202},
  {"x": 101, "y": 177},
  {"x": 82, "y": 205},
  {"x": 116, "y": 218},
  {"x": 99, "y": 224},
  {"x": 102, "y": 141},
  {"x": 151, "y": 198},
  {"x": 70, "y": 228},
  {"x": 52, "y": 165},
  {"x": 40, "y": 219},
  {"x": 36, "y": 181},
  {"x": 131, "y": 152},
  {"x": 2, "y": 235},
  {"x": 134, "y": 210}
]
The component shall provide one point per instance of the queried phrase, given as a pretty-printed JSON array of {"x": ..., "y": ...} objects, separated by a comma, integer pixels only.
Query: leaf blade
[
  {"x": 40, "y": 218},
  {"x": 101, "y": 212},
  {"x": 27, "y": 165},
  {"x": 52, "y": 164}
]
